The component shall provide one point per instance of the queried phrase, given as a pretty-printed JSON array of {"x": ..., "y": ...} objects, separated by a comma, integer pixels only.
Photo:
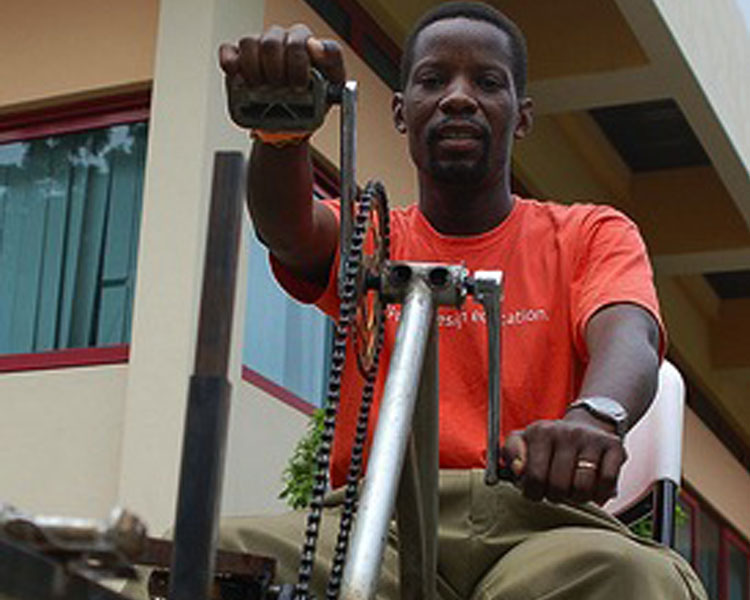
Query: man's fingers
[
  {"x": 248, "y": 61},
  {"x": 328, "y": 58},
  {"x": 271, "y": 53},
  {"x": 515, "y": 453},
  {"x": 229, "y": 56},
  {"x": 585, "y": 476},
  {"x": 541, "y": 444},
  {"x": 281, "y": 58},
  {"x": 297, "y": 56},
  {"x": 562, "y": 471},
  {"x": 609, "y": 471},
  {"x": 564, "y": 461}
]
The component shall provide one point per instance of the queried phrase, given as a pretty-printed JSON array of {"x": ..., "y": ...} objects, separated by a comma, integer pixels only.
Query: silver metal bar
[
  {"x": 489, "y": 292},
  {"x": 389, "y": 445},
  {"x": 417, "y": 501},
  {"x": 348, "y": 164}
]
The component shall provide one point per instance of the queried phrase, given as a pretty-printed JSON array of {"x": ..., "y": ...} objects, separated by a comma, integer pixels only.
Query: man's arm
[
  {"x": 623, "y": 345},
  {"x": 300, "y": 233}
]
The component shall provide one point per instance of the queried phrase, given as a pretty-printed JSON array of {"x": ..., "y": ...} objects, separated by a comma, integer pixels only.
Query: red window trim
[
  {"x": 56, "y": 120},
  {"x": 692, "y": 504},
  {"x": 727, "y": 535},
  {"x": 65, "y": 358},
  {"x": 76, "y": 116},
  {"x": 274, "y": 389}
]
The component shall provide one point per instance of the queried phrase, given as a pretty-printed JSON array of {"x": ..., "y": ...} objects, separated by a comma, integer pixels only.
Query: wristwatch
[{"x": 605, "y": 409}]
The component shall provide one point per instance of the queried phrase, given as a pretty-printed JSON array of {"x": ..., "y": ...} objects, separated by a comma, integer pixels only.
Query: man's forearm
[
  {"x": 623, "y": 344},
  {"x": 279, "y": 191}
]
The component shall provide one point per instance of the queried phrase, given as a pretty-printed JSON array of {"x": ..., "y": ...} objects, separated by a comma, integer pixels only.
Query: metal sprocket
[{"x": 370, "y": 310}]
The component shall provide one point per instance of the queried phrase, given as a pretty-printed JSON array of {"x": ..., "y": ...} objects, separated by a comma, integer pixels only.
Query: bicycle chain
[{"x": 354, "y": 289}]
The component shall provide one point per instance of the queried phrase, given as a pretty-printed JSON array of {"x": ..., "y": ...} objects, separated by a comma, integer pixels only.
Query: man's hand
[
  {"x": 576, "y": 459},
  {"x": 282, "y": 58},
  {"x": 300, "y": 233}
]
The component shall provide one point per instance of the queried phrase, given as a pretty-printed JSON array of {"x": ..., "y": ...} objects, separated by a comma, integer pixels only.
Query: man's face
[{"x": 459, "y": 107}]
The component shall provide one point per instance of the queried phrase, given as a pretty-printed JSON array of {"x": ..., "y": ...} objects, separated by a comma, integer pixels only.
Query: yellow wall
[
  {"x": 53, "y": 49},
  {"x": 715, "y": 473},
  {"x": 60, "y": 435}
]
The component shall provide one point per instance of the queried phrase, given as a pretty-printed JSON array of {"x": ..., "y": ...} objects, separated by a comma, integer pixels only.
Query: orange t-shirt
[{"x": 561, "y": 264}]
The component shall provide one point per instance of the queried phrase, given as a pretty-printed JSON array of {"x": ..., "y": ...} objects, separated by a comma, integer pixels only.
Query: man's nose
[{"x": 459, "y": 98}]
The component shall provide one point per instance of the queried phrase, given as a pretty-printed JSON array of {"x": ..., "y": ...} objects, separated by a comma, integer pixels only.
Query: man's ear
[
  {"x": 525, "y": 118},
  {"x": 397, "y": 106}
]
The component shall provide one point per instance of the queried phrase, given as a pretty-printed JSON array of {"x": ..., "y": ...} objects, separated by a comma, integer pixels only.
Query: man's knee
[{"x": 590, "y": 564}]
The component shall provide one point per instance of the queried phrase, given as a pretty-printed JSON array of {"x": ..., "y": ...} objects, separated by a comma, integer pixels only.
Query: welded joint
[{"x": 447, "y": 283}]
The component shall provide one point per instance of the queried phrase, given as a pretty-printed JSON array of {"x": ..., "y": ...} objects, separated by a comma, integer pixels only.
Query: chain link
[{"x": 373, "y": 198}]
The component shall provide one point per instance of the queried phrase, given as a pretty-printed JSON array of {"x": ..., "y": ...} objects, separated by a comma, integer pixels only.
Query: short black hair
[{"x": 476, "y": 11}]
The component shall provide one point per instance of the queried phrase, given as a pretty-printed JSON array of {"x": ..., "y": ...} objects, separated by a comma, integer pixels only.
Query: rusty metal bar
[{"x": 207, "y": 416}]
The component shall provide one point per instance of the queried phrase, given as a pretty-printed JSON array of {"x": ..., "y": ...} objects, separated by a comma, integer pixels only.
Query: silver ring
[{"x": 586, "y": 464}]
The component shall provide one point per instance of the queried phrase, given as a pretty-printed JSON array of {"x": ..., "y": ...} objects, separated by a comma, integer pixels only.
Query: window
[
  {"x": 737, "y": 576},
  {"x": 70, "y": 205},
  {"x": 720, "y": 556},
  {"x": 286, "y": 344},
  {"x": 708, "y": 553}
]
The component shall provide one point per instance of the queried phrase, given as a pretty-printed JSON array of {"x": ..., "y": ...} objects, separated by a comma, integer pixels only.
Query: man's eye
[
  {"x": 431, "y": 81},
  {"x": 490, "y": 83}
]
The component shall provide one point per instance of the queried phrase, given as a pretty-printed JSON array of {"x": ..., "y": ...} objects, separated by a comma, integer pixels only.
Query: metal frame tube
[
  {"x": 417, "y": 501},
  {"x": 389, "y": 444},
  {"x": 348, "y": 162}
]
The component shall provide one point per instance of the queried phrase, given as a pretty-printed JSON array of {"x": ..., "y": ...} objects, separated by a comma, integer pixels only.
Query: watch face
[
  {"x": 610, "y": 407},
  {"x": 606, "y": 409}
]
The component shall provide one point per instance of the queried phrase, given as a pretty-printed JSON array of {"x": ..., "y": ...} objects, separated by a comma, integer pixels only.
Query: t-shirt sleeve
[
  {"x": 326, "y": 299},
  {"x": 612, "y": 267}
]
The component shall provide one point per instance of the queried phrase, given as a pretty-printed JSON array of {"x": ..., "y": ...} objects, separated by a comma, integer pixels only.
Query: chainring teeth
[{"x": 372, "y": 219}]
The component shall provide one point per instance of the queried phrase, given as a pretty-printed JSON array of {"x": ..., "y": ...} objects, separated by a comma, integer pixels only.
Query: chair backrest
[{"x": 654, "y": 445}]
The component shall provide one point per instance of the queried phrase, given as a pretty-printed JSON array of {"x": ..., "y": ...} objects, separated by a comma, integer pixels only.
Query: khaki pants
[{"x": 493, "y": 543}]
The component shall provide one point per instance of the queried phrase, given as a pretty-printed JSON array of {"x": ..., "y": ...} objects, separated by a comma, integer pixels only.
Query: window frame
[
  {"x": 727, "y": 535},
  {"x": 61, "y": 119}
]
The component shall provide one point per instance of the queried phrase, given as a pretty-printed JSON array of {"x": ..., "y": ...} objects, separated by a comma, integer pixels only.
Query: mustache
[{"x": 433, "y": 132}]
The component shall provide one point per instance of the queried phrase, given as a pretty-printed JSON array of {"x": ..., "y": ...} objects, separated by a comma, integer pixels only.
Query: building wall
[
  {"x": 75, "y": 48},
  {"x": 719, "y": 57},
  {"x": 715, "y": 473},
  {"x": 60, "y": 437}
]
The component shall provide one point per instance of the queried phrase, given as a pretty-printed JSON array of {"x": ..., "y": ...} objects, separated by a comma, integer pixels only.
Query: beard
[{"x": 458, "y": 171}]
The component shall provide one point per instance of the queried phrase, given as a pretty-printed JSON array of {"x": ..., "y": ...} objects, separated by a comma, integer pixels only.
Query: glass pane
[
  {"x": 69, "y": 218},
  {"x": 708, "y": 554},
  {"x": 683, "y": 530},
  {"x": 285, "y": 341},
  {"x": 738, "y": 574}
]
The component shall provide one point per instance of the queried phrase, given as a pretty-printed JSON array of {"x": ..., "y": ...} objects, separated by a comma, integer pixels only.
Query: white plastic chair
[{"x": 651, "y": 476}]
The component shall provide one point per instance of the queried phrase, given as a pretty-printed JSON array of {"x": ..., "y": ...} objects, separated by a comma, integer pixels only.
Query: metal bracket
[{"x": 488, "y": 291}]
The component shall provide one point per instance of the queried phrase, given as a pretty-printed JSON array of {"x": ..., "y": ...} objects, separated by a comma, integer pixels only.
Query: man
[{"x": 582, "y": 335}]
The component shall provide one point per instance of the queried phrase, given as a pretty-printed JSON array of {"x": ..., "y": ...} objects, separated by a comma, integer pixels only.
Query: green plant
[
  {"x": 645, "y": 527},
  {"x": 298, "y": 476}
]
